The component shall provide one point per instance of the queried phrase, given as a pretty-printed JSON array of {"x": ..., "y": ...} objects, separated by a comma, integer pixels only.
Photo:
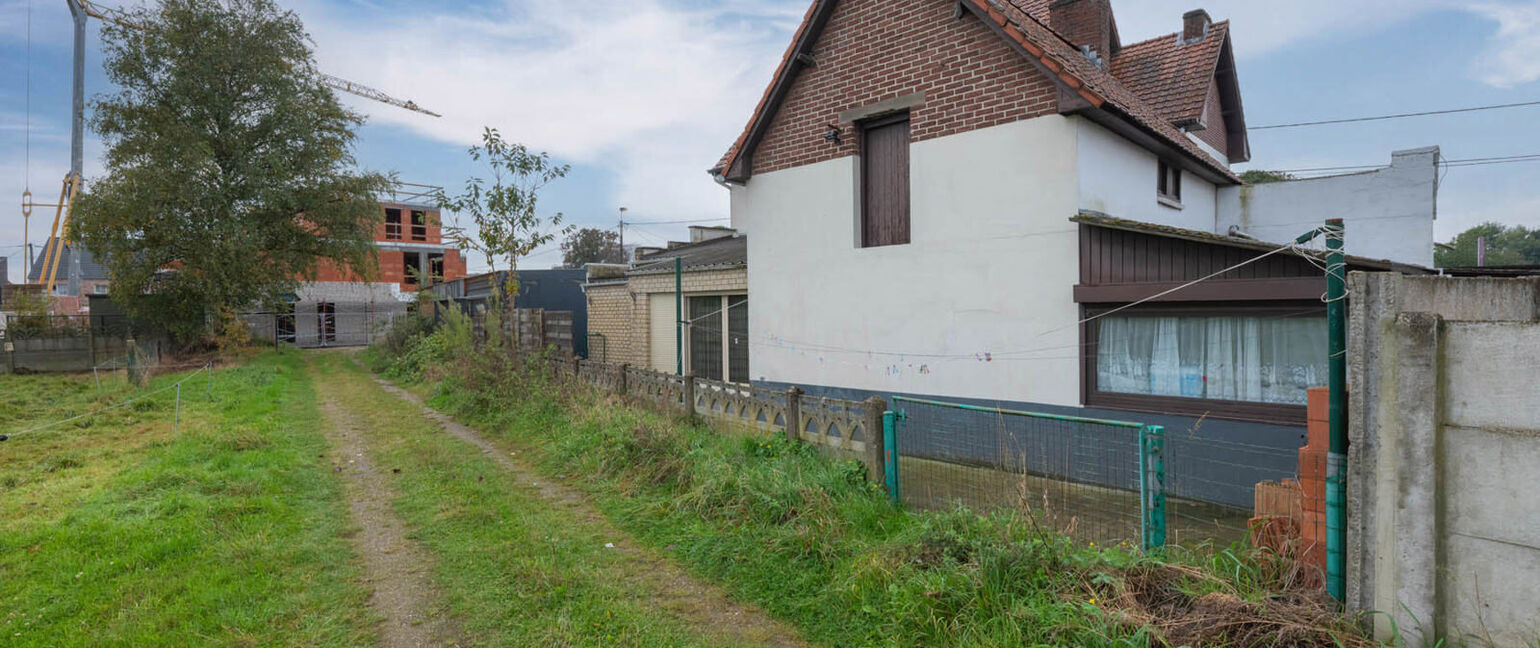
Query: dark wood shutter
[{"x": 885, "y": 181}]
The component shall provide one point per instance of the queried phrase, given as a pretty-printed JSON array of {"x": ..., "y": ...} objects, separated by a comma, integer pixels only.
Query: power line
[
  {"x": 1482, "y": 161},
  {"x": 1395, "y": 116},
  {"x": 678, "y": 222}
]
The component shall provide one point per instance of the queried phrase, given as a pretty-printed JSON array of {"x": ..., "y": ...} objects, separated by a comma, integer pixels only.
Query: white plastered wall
[
  {"x": 1387, "y": 213},
  {"x": 979, "y": 304},
  {"x": 1117, "y": 178}
]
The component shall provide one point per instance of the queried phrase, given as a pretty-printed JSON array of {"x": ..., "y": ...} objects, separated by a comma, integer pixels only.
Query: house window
[
  {"x": 419, "y": 225},
  {"x": 99, "y": 289},
  {"x": 1226, "y": 362},
  {"x": 412, "y": 268},
  {"x": 392, "y": 224},
  {"x": 738, "y": 338},
  {"x": 436, "y": 268},
  {"x": 1168, "y": 183},
  {"x": 719, "y": 344},
  {"x": 885, "y": 181},
  {"x": 705, "y": 336}
]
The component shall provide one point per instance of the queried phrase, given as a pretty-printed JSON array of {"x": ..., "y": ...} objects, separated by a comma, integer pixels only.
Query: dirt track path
[
  {"x": 396, "y": 568},
  {"x": 668, "y": 586}
]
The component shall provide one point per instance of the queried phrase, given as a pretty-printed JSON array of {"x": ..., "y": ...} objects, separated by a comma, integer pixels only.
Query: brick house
[
  {"x": 946, "y": 198},
  {"x": 631, "y": 308},
  {"x": 79, "y": 275}
]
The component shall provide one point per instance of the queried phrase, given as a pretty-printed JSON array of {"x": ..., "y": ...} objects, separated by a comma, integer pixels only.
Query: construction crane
[{"x": 80, "y": 10}]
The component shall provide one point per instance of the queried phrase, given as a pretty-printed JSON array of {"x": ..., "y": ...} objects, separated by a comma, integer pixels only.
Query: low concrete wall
[{"x": 1444, "y": 424}]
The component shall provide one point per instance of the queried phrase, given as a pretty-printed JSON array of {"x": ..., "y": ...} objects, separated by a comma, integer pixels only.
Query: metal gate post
[
  {"x": 1336, "y": 455},
  {"x": 890, "y": 421},
  {"x": 1152, "y": 486}
]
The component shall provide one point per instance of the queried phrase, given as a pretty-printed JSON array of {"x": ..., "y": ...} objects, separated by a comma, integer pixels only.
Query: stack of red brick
[
  {"x": 1290, "y": 516},
  {"x": 1312, "y": 479}
]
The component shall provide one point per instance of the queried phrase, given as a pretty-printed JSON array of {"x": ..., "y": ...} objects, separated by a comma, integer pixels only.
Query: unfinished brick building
[{"x": 341, "y": 307}]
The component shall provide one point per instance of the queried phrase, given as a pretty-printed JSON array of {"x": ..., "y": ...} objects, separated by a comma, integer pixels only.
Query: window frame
[
  {"x": 721, "y": 324},
  {"x": 1274, "y": 413},
  {"x": 864, "y": 129},
  {"x": 419, "y": 225},
  {"x": 392, "y": 229},
  {"x": 1168, "y": 176}
]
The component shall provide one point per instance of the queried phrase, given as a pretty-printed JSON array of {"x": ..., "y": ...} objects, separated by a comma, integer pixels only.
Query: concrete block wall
[
  {"x": 1444, "y": 430},
  {"x": 609, "y": 315}
]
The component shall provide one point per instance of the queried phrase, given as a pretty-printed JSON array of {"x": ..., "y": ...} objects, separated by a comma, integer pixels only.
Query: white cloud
[
  {"x": 1513, "y": 55},
  {"x": 649, "y": 88}
]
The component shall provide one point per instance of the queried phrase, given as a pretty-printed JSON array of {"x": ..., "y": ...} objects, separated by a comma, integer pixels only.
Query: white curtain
[{"x": 1267, "y": 360}]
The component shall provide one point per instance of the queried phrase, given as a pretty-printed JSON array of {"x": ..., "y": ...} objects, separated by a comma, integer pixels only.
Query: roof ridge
[{"x": 1177, "y": 34}]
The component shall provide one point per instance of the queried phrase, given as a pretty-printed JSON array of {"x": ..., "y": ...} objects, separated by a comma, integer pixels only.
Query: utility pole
[{"x": 623, "y": 257}]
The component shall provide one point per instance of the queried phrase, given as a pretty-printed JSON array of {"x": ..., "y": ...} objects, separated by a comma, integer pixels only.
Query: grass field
[{"x": 115, "y": 531}]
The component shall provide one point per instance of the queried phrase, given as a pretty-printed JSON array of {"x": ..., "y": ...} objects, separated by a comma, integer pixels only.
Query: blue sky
[{"x": 641, "y": 96}]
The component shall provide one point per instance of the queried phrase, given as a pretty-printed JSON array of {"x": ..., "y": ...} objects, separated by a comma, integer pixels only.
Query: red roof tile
[{"x": 1172, "y": 76}]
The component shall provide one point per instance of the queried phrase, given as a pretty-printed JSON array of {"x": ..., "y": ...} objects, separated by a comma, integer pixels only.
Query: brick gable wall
[
  {"x": 872, "y": 50},
  {"x": 1215, "y": 135}
]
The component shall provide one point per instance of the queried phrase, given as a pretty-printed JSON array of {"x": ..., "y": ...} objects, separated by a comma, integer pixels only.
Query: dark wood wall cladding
[{"x": 1114, "y": 256}]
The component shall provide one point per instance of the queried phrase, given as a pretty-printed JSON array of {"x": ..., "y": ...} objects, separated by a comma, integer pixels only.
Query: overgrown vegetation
[
  {"x": 115, "y": 531},
  {"x": 1264, "y": 176},
  {"x": 806, "y": 537}
]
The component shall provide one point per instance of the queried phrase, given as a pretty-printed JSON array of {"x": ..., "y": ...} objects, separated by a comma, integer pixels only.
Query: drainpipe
[{"x": 1336, "y": 457}]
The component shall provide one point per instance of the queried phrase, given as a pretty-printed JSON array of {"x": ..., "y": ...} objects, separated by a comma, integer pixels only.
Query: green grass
[
  {"x": 804, "y": 536},
  {"x": 115, "y": 531},
  {"x": 515, "y": 569}
]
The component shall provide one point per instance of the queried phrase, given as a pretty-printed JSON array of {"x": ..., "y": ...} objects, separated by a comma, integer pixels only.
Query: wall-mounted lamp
[{"x": 832, "y": 135}]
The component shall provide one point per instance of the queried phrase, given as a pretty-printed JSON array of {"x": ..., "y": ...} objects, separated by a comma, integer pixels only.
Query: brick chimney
[
  {"x": 1195, "y": 25},
  {"x": 1085, "y": 23}
]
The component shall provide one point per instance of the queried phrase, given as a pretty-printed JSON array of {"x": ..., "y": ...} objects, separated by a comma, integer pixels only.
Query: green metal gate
[{"x": 1095, "y": 479}]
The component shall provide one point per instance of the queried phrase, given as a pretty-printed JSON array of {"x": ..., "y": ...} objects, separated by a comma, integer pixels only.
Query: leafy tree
[
  {"x": 1506, "y": 245},
  {"x": 503, "y": 212},
  {"x": 591, "y": 245},
  {"x": 229, "y": 170},
  {"x": 1262, "y": 176}
]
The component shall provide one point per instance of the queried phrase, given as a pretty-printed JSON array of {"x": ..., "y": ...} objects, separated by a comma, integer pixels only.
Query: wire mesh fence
[
  {"x": 1091, "y": 479},
  {"x": 1213, "y": 486},
  {"x": 1111, "y": 481}
]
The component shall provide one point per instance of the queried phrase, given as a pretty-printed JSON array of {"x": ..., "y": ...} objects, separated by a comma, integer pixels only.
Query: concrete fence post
[
  {"x": 689, "y": 396},
  {"x": 1418, "y": 510},
  {"x": 794, "y": 414},
  {"x": 577, "y": 367},
  {"x": 10, "y": 357},
  {"x": 620, "y": 379},
  {"x": 875, "y": 406}
]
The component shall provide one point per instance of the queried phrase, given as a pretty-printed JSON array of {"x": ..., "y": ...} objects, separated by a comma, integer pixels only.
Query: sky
[{"x": 642, "y": 96}]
